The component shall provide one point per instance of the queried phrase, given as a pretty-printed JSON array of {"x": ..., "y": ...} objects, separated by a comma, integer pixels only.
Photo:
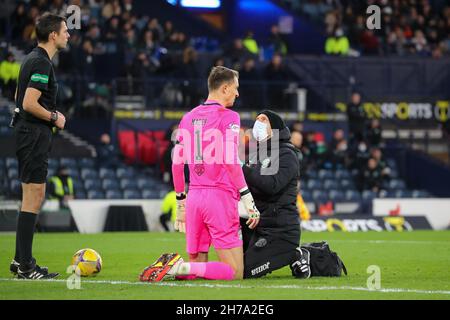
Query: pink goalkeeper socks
[{"x": 212, "y": 270}]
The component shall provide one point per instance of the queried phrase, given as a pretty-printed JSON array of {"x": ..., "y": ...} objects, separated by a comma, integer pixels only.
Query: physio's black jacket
[
  {"x": 37, "y": 72},
  {"x": 276, "y": 195}
]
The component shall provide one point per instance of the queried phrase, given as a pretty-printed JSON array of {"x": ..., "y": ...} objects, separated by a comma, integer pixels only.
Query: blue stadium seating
[
  {"x": 352, "y": 195},
  {"x": 336, "y": 195},
  {"x": 125, "y": 173},
  {"x": 346, "y": 183},
  {"x": 330, "y": 184},
  {"x": 79, "y": 194},
  {"x": 368, "y": 195},
  {"x": 13, "y": 173},
  {"x": 68, "y": 162},
  {"x": 132, "y": 194},
  {"x": 11, "y": 162},
  {"x": 150, "y": 194},
  {"x": 92, "y": 184},
  {"x": 325, "y": 174},
  {"x": 395, "y": 184},
  {"x": 306, "y": 195},
  {"x": 114, "y": 194},
  {"x": 420, "y": 194},
  {"x": 319, "y": 196},
  {"x": 146, "y": 183},
  {"x": 314, "y": 184},
  {"x": 311, "y": 174},
  {"x": 53, "y": 163},
  {"x": 15, "y": 186},
  {"x": 95, "y": 194},
  {"x": 111, "y": 184},
  {"x": 128, "y": 184},
  {"x": 342, "y": 174},
  {"x": 106, "y": 173},
  {"x": 87, "y": 173},
  {"x": 87, "y": 163}
]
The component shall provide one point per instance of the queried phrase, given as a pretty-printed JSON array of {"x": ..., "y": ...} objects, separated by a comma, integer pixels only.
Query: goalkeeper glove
[
  {"x": 250, "y": 207},
  {"x": 180, "y": 224}
]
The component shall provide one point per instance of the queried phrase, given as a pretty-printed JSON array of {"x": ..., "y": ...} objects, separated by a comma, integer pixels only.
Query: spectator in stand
[
  {"x": 356, "y": 118},
  {"x": 277, "y": 75},
  {"x": 60, "y": 187},
  {"x": 237, "y": 53},
  {"x": 9, "y": 74},
  {"x": 337, "y": 44},
  {"x": 297, "y": 126},
  {"x": 277, "y": 41},
  {"x": 107, "y": 154},
  {"x": 250, "y": 43},
  {"x": 338, "y": 150},
  {"x": 372, "y": 178},
  {"x": 18, "y": 21},
  {"x": 188, "y": 72},
  {"x": 374, "y": 133},
  {"x": 382, "y": 166},
  {"x": 249, "y": 94}
]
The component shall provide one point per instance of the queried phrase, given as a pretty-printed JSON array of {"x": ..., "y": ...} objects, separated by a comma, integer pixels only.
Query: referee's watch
[{"x": 53, "y": 117}]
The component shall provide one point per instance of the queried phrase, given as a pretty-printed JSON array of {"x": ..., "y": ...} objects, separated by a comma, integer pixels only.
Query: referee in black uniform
[{"x": 33, "y": 123}]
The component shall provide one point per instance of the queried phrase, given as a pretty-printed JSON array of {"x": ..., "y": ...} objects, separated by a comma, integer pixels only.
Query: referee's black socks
[{"x": 26, "y": 223}]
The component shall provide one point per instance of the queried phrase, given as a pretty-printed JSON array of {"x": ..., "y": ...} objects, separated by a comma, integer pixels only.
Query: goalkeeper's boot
[
  {"x": 301, "y": 268},
  {"x": 14, "y": 267},
  {"x": 32, "y": 271},
  {"x": 166, "y": 266}
]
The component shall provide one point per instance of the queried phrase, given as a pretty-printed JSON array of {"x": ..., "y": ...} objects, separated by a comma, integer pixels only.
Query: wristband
[{"x": 181, "y": 196}]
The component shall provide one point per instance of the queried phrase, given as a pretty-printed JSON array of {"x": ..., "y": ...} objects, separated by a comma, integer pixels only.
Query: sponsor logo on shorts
[{"x": 260, "y": 269}]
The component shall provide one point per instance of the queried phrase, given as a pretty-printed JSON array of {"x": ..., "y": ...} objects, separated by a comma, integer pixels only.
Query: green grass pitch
[{"x": 414, "y": 265}]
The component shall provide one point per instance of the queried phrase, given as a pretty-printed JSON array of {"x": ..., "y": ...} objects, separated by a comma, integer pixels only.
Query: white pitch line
[{"x": 239, "y": 286}]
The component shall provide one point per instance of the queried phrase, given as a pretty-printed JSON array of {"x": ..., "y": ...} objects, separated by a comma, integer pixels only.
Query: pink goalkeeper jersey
[{"x": 207, "y": 140}]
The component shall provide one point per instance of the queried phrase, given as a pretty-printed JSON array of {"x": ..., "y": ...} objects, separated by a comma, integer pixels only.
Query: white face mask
[{"x": 260, "y": 130}]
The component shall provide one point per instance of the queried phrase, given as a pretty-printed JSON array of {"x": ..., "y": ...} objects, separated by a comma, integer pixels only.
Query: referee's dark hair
[
  {"x": 220, "y": 75},
  {"x": 47, "y": 24}
]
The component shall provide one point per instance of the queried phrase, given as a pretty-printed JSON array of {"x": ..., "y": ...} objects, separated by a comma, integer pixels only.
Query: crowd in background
[{"x": 408, "y": 27}]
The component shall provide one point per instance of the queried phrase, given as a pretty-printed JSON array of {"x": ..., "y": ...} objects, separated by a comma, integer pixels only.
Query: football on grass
[{"x": 87, "y": 262}]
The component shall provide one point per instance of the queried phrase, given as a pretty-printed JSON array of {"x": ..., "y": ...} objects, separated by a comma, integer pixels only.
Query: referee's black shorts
[{"x": 33, "y": 145}]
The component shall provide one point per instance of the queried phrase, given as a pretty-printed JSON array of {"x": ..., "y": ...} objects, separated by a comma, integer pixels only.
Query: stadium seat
[
  {"x": 325, "y": 174},
  {"x": 92, "y": 184},
  {"x": 87, "y": 163},
  {"x": 73, "y": 173},
  {"x": 395, "y": 184},
  {"x": 53, "y": 163},
  {"x": 127, "y": 144},
  {"x": 420, "y": 194},
  {"x": 125, "y": 173},
  {"x": 132, "y": 194},
  {"x": 319, "y": 196},
  {"x": 89, "y": 174},
  {"x": 77, "y": 185},
  {"x": 330, "y": 184},
  {"x": 342, "y": 174},
  {"x": 114, "y": 194},
  {"x": 311, "y": 174},
  {"x": 13, "y": 173},
  {"x": 128, "y": 184},
  {"x": 147, "y": 149},
  {"x": 15, "y": 187},
  {"x": 306, "y": 195},
  {"x": 80, "y": 194},
  {"x": 403, "y": 194},
  {"x": 146, "y": 183},
  {"x": 352, "y": 195},
  {"x": 106, "y": 173},
  {"x": 51, "y": 172},
  {"x": 336, "y": 195},
  {"x": 368, "y": 195},
  {"x": 346, "y": 183},
  {"x": 95, "y": 194},
  {"x": 391, "y": 163},
  {"x": 150, "y": 194},
  {"x": 159, "y": 135},
  {"x": 68, "y": 162},
  {"x": 11, "y": 162},
  {"x": 2, "y": 163},
  {"x": 314, "y": 184},
  {"x": 111, "y": 184}
]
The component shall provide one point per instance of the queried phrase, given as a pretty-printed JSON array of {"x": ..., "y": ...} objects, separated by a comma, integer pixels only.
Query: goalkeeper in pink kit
[{"x": 207, "y": 140}]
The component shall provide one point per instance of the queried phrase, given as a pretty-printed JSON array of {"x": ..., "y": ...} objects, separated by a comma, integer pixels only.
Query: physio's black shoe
[
  {"x": 301, "y": 268},
  {"x": 36, "y": 273},
  {"x": 14, "y": 267}
]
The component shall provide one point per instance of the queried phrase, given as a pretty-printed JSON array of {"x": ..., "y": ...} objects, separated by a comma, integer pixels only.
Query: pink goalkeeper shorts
[{"x": 211, "y": 218}]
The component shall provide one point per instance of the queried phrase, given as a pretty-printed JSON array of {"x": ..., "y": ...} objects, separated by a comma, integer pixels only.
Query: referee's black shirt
[{"x": 37, "y": 72}]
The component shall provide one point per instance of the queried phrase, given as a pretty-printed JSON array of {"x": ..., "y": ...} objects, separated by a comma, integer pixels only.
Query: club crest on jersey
[
  {"x": 199, "y": 169},
  {"x": 265, "y": 163},
  {"x": 234, "y": 127}
]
